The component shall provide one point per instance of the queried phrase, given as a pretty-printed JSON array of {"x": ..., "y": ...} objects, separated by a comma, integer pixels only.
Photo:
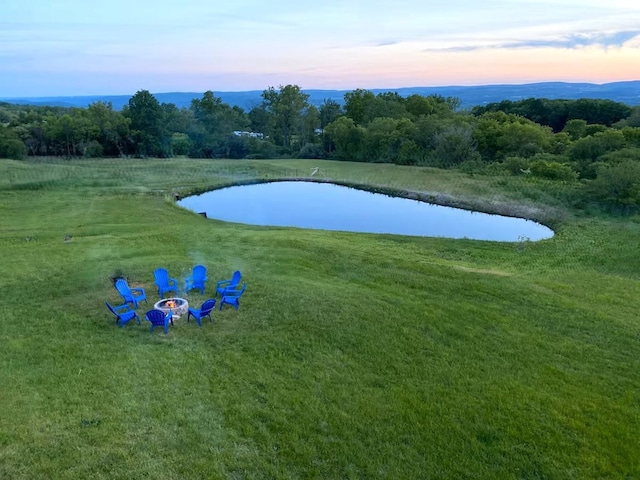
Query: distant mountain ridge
[{"x": 470, "y": 96}]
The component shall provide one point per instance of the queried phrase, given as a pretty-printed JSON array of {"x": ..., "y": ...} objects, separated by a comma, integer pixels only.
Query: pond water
[{"x": 327, "y": 206}]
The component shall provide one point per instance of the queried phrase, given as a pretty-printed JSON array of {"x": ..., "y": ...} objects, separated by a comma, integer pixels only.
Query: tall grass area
[{"x": 352, "y": 355}]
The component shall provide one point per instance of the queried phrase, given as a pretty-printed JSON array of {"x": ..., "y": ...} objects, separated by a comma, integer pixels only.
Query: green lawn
[{"x": 352, "y": 356}]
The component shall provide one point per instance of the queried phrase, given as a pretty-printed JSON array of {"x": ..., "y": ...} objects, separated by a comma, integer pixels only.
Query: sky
[{"x": 117, "y": 47}]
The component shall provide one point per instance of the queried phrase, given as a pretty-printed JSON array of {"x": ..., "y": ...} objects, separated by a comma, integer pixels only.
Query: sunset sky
[{"x": 101, "y": 47}]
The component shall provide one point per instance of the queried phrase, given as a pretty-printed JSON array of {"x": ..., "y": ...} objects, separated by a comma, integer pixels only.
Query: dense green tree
[
  {"x": 454, "y": 146},
  {"x": 426, "y": 129},
  {"x": 146, "y": 116},
  {"x": 500, "y": 135},
  {"x": 553, "y": 113},
  {"x": 575, "y": 128},
  {"x": 110, "y": 129},
  {"x": 556, "y": 113},
  {"x": 633, "y": 120},
  {"x": 605, "y": 112},
  {"x": 586, "y": 151},
  {"x": 176, "y": 120},
  {"x": 593, "y": 128},
  {"x": 211, "y": 132},
  {"x": 362, "y": 106},
  {"x": 389, "y": 105},
  {"x": 632, "y": 136},
  {"x": 10, "y": 144},
  {"x": 329, "y": 111},
  {"x": 618, "y": 186},
  {"x": 346, "y": 138},
  {"x": 287, "y": 104},
  {"x": 622, "y": 155},
  {"x": 310, "y": 125},
  {"x": 6, "y": 113},
  {"x": 383, "y": 138},
  {"x": 33, "y": 134},
  {"x": 259, "y": 119},
  {"x": 560, "y": 143},
  {"x": 69, "y": 133},
  {"x": 410, "y": 153},
  {"x": 181, "y": 144},
  {"x": 358, "y": 105},
  {"x": 418, "y": 105},
  {"x": 216, "y": 117}
]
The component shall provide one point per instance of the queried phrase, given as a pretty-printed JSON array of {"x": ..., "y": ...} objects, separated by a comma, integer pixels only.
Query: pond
[{"x": 327, "y": 206}]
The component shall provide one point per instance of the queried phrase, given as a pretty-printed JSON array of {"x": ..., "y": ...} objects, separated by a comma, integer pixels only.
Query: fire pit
[{"x": 178, "y": 306}]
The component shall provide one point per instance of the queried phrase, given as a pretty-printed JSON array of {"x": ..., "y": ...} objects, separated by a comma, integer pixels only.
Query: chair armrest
[
  {"x": 230, "y": 292},
  {"x": 235, "y": 292},
  {"x": 173, "y": 281},
  {"x": 120, "y": 307},
  {"x": 138, "y": 290},
  {"x": 222, "y": 282}
]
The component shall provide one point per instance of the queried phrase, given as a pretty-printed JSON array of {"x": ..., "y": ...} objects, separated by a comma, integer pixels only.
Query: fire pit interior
[{"x": 178, "y": 306}]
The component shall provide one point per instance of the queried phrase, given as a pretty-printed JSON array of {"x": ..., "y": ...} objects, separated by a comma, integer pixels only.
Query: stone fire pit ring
[{"x": 178, "y": 306}]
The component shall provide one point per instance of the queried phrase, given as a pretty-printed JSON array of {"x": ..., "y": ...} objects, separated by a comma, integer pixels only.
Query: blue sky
[{"x": 82, "y": 47}]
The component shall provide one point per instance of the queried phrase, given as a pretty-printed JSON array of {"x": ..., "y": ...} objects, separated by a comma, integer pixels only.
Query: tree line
[{"x": 593, "y": 141}]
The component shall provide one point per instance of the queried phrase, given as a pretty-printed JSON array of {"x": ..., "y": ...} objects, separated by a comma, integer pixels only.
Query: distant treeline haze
[{"x": 592, "y": 143}]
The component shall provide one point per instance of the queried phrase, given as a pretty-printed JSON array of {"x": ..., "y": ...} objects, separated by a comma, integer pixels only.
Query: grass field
[{"x": 353, "y": 356}]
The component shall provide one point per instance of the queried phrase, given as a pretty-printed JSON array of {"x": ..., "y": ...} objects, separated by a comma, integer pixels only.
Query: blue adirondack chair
[
  {"x": 203, "y": 311},
  {"x": 197, "y": 279},
  {"x": 159, "y": 319},
  {"x": 232, "y": 297},
  {"x": 123, "y": 313},
  {"x": 164, "y": 282},
  {"x": 130, "y": 295},
  {"x": 231, "y": 284}
]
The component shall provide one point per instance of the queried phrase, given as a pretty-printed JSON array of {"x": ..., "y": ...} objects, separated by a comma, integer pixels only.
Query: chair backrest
[
  {"x": 123, "y": 287},
  {"x": 207, "y": 306},
  {"x": 111, "y": 309},
  {"x": 156, "y": 317},
  {"x": 237, "y": 293},
  {"x": 162, "y": 276},
  {"x": 199, "y": 273},
  {"x": 235, "y": 279}
]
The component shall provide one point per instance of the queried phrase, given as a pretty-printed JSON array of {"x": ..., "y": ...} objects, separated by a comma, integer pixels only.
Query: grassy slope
[{"x": 352, "y": 356}]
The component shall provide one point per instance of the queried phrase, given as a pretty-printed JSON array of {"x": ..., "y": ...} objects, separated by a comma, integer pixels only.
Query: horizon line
[{"x": 25, "y": 97}]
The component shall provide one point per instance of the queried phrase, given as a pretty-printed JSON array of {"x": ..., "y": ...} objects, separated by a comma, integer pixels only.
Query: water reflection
[{"x": 327, "y": 206}]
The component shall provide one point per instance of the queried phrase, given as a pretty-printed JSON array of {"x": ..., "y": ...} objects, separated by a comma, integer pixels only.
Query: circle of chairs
[{"x": 229, "y": 290}]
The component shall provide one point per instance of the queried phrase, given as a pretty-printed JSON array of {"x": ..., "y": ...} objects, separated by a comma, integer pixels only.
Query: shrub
[
  {"x": 409, "y": 153},
  {"x": 454, "y": 146},
  {"x": 473, "y": 166},
  {"x": 632, "y": 136},
  {"x": 552, "y": 170},
  {"x": 93, "y": 150},
  {"x": 516, "y": 165},
  {"x": 311, "y": 150},
  {"x": 594, "y": 128},
  {"x": 12, "y": 148},
  {"x": 10, "y": 144},
  {"x": 619, "y": 156},
  {"x": 261, "y": 149},
  {"x": 618, "y": 186},
  {"x": 181, "y": 144}
]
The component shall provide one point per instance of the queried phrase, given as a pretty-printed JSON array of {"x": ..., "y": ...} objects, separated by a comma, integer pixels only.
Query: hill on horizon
[{"x": 470, "y": 96}]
